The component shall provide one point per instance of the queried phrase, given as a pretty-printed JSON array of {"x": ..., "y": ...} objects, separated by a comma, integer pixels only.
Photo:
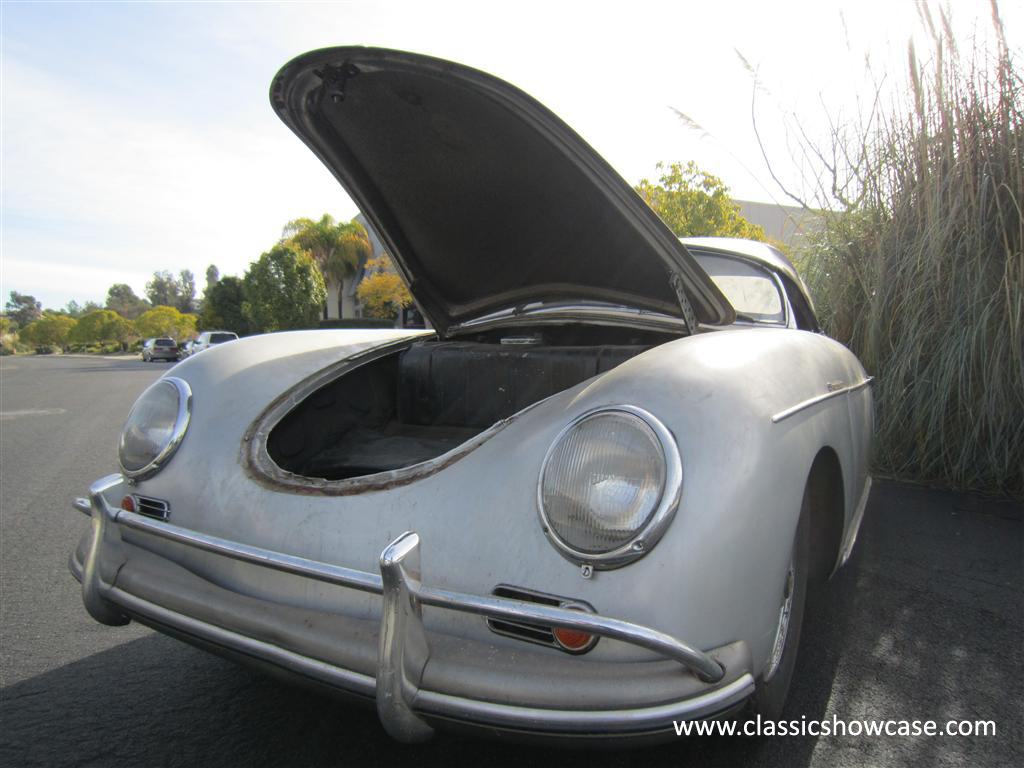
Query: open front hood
[{"x": 486, "y": 200}]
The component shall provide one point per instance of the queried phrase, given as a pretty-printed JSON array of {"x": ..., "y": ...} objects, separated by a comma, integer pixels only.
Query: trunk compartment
[{"x": 425, "y": 400}]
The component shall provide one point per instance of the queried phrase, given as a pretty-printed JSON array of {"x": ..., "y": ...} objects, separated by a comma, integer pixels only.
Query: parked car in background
[
  {"x": 208, "y": 339},
  {"x": 159, "y": 349},
  {"x": 591, "y": 502}
]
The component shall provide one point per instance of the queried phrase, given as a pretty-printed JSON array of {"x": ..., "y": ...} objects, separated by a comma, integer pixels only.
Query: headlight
[
  {"x": 155, "y": 427},
  {"x": 609, "y": 486}
]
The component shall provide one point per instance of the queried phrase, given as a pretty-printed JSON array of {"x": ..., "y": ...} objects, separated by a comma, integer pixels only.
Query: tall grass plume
[{"x": 919, "y": 265}]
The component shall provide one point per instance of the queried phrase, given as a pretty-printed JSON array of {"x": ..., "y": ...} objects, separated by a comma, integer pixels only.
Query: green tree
[
  {"x": 382, "y": 292},
  {"x": 186, "y": 291},
  {"x": 695, "y": 204},
  {"x": 101, "y": 326},
  {"x": 283, "y": 290},
  {"x": 162, "y": 290},
  {"x": 339, "y": 249},
  {"x": 212, "y": 276},
  {"x": 122, "y": 299},
  {"x": 23, "y": 309},
  {"x": 51, "y": 330},
  {"x": 222, "y": 307},
  {"x": 165, "y": 321}
]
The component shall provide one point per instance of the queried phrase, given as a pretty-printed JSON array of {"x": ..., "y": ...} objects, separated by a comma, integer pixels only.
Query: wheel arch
[{"x": 826, "y": 501}]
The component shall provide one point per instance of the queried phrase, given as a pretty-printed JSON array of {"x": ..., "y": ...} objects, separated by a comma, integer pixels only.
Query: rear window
[
  {"x": 751, "y": 290},
  {"x": 220, "y": 338},
  {"x": 165, "y": 342}
]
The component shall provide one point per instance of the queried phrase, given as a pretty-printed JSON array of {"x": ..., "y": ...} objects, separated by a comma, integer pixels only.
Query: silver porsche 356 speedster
[{"x": 589, "y": 501}]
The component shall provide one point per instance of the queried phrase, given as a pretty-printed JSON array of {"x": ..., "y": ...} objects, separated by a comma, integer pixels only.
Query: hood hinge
[{"x": 676, "y": 281}]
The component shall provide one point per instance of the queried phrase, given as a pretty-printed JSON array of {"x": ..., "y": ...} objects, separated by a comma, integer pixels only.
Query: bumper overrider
[{"x": 418, "y": 681}]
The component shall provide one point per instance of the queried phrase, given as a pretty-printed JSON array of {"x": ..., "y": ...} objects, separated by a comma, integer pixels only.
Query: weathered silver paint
[
  {"x": 403, "y": 645},
  {"x": 492, "y": 607},
  {"x": 477, "y": 518},
  {"x": 612, "y": 721},
  {"x": 285, "y": 563},
  {"x": 745, "y": 479},
  {"x": 622, "y": 721}
]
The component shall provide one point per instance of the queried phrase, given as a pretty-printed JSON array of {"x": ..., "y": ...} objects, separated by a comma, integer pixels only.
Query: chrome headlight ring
[
  {"x": 657, "y": 521},
  {"x": 176, "y": 428}
]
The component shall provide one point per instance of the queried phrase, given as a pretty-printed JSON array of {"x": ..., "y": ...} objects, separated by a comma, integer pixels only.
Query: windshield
[
  {"x": 220, "y": 338},
  {"x": 752, "y": 292},
  {"x": 165, "y": 342}
]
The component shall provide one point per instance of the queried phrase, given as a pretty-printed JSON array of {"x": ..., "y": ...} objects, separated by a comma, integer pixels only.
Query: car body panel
[
  {"x": 436, "y": 155},
  {"x": 380, "y": 585},
  {"x": 741, "y": 491}
]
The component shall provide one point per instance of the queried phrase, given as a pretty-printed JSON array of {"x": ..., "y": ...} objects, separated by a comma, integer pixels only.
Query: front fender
[{"x": 715, "y": 577}]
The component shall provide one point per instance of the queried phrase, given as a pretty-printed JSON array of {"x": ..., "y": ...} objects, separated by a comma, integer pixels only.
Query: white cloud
[
  {"x": 143, "y": 194},
  {"x": 109, "y": 179}
]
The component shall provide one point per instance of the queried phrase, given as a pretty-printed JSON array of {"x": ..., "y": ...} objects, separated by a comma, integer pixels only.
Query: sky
[{"x": 138, "y": 136}]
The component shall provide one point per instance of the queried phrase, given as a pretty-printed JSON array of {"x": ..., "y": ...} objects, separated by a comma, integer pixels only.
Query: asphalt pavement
[{"x": 924, "y": 623}]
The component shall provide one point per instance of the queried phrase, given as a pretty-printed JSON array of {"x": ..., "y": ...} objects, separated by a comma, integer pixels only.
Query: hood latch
[{"x": 334, "y": 77}]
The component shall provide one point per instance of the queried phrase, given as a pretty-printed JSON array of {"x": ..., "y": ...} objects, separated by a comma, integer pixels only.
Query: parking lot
[{"x": 925, "y": 623}]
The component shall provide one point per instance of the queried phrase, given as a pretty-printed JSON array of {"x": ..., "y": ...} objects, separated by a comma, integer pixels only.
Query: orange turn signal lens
[
  {"x": 128, "y": 504},
  {"x": 572, "y": 639}
]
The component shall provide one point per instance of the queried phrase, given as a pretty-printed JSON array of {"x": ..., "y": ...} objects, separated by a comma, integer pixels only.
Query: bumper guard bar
[{"x": 403, "y": 645}]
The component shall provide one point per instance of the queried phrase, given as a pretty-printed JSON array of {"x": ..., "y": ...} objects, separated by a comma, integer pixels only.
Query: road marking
[{"x": 31, "y": 412}]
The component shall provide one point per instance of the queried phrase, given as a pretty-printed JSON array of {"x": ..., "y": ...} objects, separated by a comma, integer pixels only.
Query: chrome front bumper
[{"x": 717, "y": 681}]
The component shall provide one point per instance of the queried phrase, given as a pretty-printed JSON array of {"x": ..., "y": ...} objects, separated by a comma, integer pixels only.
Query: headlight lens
[
  {"x": 609, "y": 478},
  {"x": 155, "y": 427}
]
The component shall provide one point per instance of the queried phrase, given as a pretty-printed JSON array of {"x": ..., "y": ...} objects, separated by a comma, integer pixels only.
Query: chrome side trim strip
[{"x": 820, "y": 399}]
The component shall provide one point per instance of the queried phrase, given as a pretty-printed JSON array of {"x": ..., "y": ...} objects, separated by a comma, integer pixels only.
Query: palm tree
[{"x": 340, "y": 250}]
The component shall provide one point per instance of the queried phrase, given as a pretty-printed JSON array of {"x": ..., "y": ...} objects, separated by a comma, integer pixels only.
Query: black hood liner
[{"x": 483, "y": 196}]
